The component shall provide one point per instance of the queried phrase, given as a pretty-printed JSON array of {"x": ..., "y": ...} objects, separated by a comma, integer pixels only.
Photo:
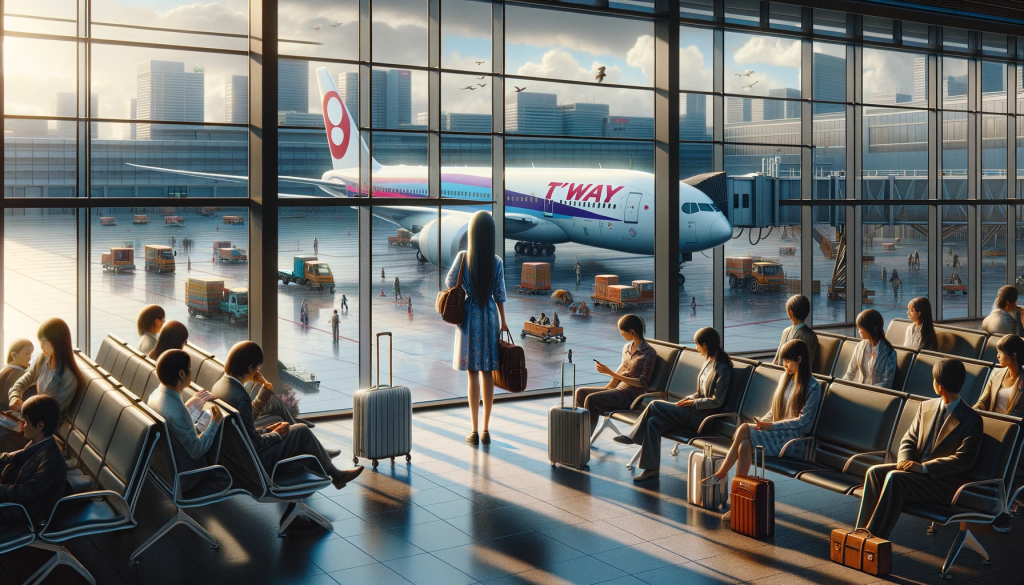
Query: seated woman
[
  {"x": 874, "y": 360},
  {"x": 19, "y": 356},
  {"x": 54, "y": 372},
  {"x": 173, "y": 335},
  {"x": 150, "y": 321},
  {"x": 687, "y": 414},
  {"x": 792, "y": 415},
  {"x": 628, "y": 381},
  {"x": 921, "y": 334}
]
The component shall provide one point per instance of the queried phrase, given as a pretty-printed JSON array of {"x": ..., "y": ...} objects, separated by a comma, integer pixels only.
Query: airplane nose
[{"x": 721, "y": 231}]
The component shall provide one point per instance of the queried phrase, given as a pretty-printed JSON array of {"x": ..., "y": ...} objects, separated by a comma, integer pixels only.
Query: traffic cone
[{"x": 382, "y": 291}]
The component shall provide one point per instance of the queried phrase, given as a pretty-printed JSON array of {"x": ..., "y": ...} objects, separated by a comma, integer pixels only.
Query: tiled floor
[{"x": 501, "y": 514}]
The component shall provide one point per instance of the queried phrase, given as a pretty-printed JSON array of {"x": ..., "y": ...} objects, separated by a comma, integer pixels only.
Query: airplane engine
[{"x": 454, "y": 234}]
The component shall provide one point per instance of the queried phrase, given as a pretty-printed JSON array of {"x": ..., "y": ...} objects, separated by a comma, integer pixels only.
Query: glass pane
[
  {"x": 763, "y": 261},
  {"x": 993, "y": 44},
  {"x": 574, "y": 110},
  {"x": 697, "y": 9},
  {"x": 829, "y": 78},
  {"x": 829, "y": 22},
  {"x": 696, "y": 293},
  {"x": 142, "y": 256},
  {"x": 56, "y": 17},
  {"x": 320, "y": 368},
  {"x": 392, "y": 149},
  {"x": 697, "y": 47},
  {"x": 35, "y": 238},
  {"x": 695, "y": 117},
  {"x": 993, "y": 86},
  {"x": 895, "y": 259},
  {"x": 466, "y": 167},
  {"x": 877, "y": 29},
  {"x": 954, "y": 39},
  {"x": 1019, "y": 237},
  {"x": 400, "y": 32},
  {"x": 915, "y": 34},
  {"x": 827, "y": 306},
  {"x": 993, "y": 157},
  {"x": 40, "y": 77},
  {"x": 954, "y": 155},
  {"x": 955, "y": 274},
  {"x": 895, "y": 145},
  {"x": 180, "y": 86},
  {"x": 954, "y": 83},
  {"x": 829, "y": 154},
  {"x": 300, "y": 102},
  {"x": 40, "y": 168},
  {"x": 171, "y": 23},
  {"x": 465, "y": 103},
  {"x": 760, "y": 65},
  {"x": 762, "y": 121},
  {"x": 574, "y": 46},
  {"x": 993, "y": 252},
  {"x": 172, "y": 161},
  {"x": 746, "y": 12},
  {"x": 894, "y": 77},
  {"x": 784, "y": 16},
  {"x": 398, "y": 97},
  {"x": 318, "y": 28},
  {"x": 466, "y": 35}
]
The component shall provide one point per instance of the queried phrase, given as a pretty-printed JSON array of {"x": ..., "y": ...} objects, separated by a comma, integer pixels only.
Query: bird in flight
[
  {"x": 469, "y": 87},
  {"x": 749, "y": 86},
  {"x": 316, "y": 28},
  {"x": 480, "y": 62},
  {"x": 518, "y": 89},
  {"x": 481, "y": 76},
  {"x": 482, "y": 84},
  {"x": 336, "y": 24},
  {"x": 600, "y": 74},
  {"x": 746, "y": 73}
]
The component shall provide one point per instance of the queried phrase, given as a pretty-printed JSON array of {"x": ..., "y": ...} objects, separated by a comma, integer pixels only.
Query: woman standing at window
[{"x": 476, "y": 341}]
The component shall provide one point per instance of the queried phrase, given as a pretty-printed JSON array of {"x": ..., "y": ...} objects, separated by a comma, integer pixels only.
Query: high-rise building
[
  {"x": 829, "y": 83},
  {"x": 779, "y": 109},
  {"x": 390, "y": 97},
  {"x": 131, "y": 112},
  {"x": 348, "y": 87},
  {"x": 464, "y": 122},
  {"x": 693, "y": 124},
  {"x": 920, "y": 93},
  {"x": 292, "y": 86},
  {"x": 399, "y": 98},
  {"x": 532, "y": 113},
  {"x": 954, "y": 86},
  {"x": 738, "y": 110},
  {"x": 583, "y": 119},
  {"x": 236, "y": 99},
  {"x": 64, "y": 104},
  {"x": 167, "y": 92}
]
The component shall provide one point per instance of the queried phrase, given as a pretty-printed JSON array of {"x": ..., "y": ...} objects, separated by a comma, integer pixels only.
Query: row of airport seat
[{"x": 856, "y": 426}]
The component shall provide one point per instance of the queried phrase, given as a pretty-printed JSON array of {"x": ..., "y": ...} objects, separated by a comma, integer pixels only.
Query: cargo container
[
  {"x": 108, "y": 221},
  {"x": 174, "y": 221},
  {"x": 309, "y": 271},
  {"x": 543, "y": 332},
  {"x": 602, "y": 282},
  {"x": 617, "y": 296},
  {"x": 208, "y": 298},
  {"x": 159, "y": 259},
  {"x": 119, "y": 260},
  {"x": 232, "y": 256},
  {"x": 140, "y": 219},
  {"x": 234, "y": 220},
  {"x": 536, "y": 278},
  {"x": 645, "y": 293},
  {"x": 758, "y": 274}
]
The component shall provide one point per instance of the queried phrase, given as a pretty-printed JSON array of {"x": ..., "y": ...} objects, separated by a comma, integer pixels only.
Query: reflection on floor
[{"x": 502, "y": 514}]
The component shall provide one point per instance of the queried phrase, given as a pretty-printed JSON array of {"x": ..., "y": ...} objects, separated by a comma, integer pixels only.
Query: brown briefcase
[
  {"x": 858, "y": 549},
  {"x": 511, "y": 373},
  {"x": 752, "y": 503}
]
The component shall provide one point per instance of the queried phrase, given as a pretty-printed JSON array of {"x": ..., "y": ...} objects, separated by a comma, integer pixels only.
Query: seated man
[
  {"x": 797, "y": 309},
  {"x": 276, "y": 442},
  {"x": 941, "y": 444},
  {"x": 174, "y": 370},
  {"x": 543, "y": 320},
  {"x": 34, "y": 477},
  {"x": 1005, "y": 316}
]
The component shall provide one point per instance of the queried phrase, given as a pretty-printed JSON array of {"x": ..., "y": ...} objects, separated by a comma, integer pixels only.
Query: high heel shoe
[{"x": 473, "y": 438}]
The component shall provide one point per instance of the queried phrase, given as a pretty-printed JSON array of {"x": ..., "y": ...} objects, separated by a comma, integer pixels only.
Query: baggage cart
[
  {"x": 119, "y": 260},
  {"x": 140, "y": 219},
  {"x": 108, "y": 221},
  {"x": 536, "y": 278},
  {"x": 617, "y": 296},
  {"x": 543, "y": 332}
]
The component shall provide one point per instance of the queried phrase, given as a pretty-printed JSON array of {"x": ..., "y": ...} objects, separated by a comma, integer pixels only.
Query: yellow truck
[
  {"x": 310, "y": 272},
  {"x": 757, "y": 274},
  {"x": 159, "y": 259}
]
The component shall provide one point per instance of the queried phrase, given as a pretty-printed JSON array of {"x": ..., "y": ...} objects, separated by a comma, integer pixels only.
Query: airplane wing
[
  {"x": 537, "y": 229},
  {"x": 517, "y": 223},
  {"x": 237, "y": 178}
]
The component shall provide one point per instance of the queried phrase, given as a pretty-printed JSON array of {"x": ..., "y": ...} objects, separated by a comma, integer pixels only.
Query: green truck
[{"x": 310, "y": 272}]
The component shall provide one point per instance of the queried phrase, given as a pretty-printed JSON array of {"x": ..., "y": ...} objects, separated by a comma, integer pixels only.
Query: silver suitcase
[
  {"x": 382, "y": 417},
  {"x": 568, "y": 429},
  {"x": 700, "y": 466}
]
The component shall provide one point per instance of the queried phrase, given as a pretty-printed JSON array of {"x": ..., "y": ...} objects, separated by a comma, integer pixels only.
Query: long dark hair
[
  {"x": 871, "y": 321},
  {"x": 928, "y": 338},
  {"x": 632, "y": 323},
  {"x": 481, "y": 254},
  {"x": 709, "y": 338},
  {"x": 56, "y": 331},
  {"x": 173, "y": 335},
  {"x": 795, "y": 350}
]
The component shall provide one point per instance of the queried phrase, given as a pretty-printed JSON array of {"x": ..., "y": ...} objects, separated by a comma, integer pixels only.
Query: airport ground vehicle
[
  {"x": 174, "y": 221},
  {"x": 108, "y": 221},
  {"x": 308, "y": 271},
  {"x": 608, "y": 292},
  {"x": 543, "y": 332},
  {"x": 645, "y": 292},
  {"x": 404, "y": 238},
  {"x": 234, "y": 220},
  {"x": 159, "y": 259},
  {"x": 208, "y": 297},
  {"x": 228, "y": 254},
  {"x": 119, "y": 260},
  {"x": 757, "y": 274},
  {"x": 140, "y": 219},
  {"x": 536, "y": 278}
]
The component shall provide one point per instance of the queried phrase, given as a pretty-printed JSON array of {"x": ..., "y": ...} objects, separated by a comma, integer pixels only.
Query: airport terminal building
[{"x": 303, "y": 175}]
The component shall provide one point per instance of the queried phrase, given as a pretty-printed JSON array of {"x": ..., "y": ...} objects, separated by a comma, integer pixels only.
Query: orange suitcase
[{"x": 752, "y": 500}]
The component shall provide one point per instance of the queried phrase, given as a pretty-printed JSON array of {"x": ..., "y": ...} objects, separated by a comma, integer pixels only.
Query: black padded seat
[
  {"x": 844, "y": 357},
  {"x": 835, "y": 481},
  {"x": 208, "y": 374},
  {"x": 756, "y": 401},
  {"x": 919, "y": 380},
  {"x": 897, "y": 330},
  {"x": 627, "y": 416},
  {"x": 719, "y": 444},
  {"x": 960, "y": 342},
  {"x": 904, "y": 360},
  {"x": 664, "y": 365},
  {"x": 988, "y": 355},
  {"x": 828, "y": 348},
  {"x": 788, "y": 466},
  {"x": 99, "y": 514}
]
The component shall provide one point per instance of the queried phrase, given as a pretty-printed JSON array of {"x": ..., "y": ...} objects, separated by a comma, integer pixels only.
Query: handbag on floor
[
  {"x": 859, "y": 549},
  {"x": 568, "y": 429},
  {"x": 753, "y": 503},
  {"x": 511, "y": 372},
  {"x": 701, "y": 465},
  {"x": 451, "y": 303}
]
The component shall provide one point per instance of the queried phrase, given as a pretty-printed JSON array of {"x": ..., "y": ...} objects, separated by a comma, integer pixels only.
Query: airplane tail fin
[{"x": 342, "y": 130}]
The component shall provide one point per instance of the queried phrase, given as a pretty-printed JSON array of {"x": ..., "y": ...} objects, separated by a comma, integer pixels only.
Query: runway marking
[{"x": 317, "y": 329}]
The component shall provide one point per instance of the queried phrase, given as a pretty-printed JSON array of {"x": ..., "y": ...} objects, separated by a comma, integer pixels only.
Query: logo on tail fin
[{"x": 337, "y": 122}]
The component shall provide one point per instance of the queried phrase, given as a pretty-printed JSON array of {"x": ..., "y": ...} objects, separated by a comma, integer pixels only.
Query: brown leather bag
[
  {"x": 511, "y": 372},
  {"x": 858, "y": 549},
  {"x": 451, "y": 303}
]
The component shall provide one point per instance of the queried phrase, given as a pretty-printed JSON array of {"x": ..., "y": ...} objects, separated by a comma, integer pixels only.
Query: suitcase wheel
[
  {"x": 355, "y": 460},
  {"x": 375, "y": 462},
  {"x": 392, "y": 461},
  {"x": 408, "y": 457}
]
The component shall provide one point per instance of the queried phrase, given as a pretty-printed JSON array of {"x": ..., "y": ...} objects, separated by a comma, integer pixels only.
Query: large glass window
[{"x": 759, "y": 65}]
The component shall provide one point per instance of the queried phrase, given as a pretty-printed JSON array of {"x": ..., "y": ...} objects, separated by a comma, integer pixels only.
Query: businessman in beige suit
[{"x": 798, "y": 308}]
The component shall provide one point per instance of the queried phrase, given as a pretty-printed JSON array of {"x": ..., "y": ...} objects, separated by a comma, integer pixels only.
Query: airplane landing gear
[
  {"x": 682, "y": 279},
  {"x": 534, "y": 249},
  {"x": 421, "y": 257}
]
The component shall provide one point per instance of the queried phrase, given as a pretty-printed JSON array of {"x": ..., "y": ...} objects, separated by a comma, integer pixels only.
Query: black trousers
[
  {"x": 299, "y": 441},
  {"x": 887, "y": 488},
  {"x": 601, "y": 400},
  {"x": 658, "y": 418}
]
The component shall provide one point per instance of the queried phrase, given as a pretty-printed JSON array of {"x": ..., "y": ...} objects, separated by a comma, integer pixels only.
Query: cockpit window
[
  {"x": 705, "y": 207},
  {"x": 689, "y": 208}
]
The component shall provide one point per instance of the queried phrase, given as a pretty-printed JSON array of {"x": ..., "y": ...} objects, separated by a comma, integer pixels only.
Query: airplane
[
  {"x": 746, "y": 73},
  {"x": 601, "y": 208}
]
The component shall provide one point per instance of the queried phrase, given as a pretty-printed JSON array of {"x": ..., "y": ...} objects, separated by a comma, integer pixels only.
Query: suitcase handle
[
  {"x": 561, "y": 392},
  {"x": 391, "y": 357},
  {"x": 760, "y": 449}
]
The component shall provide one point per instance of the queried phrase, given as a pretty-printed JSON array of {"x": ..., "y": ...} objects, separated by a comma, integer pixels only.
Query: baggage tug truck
[
  {"x": 119, "y": 260},
  {"x": 209, "y": 298},
  {"x": 159, "y": 259},
  {"x": 308, "y": 271},
  {"x": 759, "y": 274}
]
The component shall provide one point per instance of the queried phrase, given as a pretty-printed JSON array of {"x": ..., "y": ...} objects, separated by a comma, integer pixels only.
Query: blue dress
[{"x": 476, "y": 340}]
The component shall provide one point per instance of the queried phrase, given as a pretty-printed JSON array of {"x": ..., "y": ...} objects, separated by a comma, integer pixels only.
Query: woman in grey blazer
[
  {"x": 661, "y": 416},
  {"x": 54, "y": 372},
  {"x": 874, "y": 360}
]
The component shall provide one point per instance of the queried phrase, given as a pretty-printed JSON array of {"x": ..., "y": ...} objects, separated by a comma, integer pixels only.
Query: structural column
[
  {"x": 1011, "y": 164},
  {"x": 666, "y": 171},
  {"x": 263, "y": 207},
  {"x": 498, "y": 124},
  {"x": 807, "y": 163},
  {"x": 974, "y": 212},
  {"x": 365, "y": 231},
  {"x": 718, "y": 121},
  {"x": 83, "y": 144}
]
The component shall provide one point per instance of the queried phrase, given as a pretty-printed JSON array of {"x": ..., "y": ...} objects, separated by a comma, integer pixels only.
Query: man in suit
[
  {"x": 34, "y": 477},
  {"x": 798, "y": 308},
  {"x": 279, "y": 441},
  {"x": 941, "y": 445}
]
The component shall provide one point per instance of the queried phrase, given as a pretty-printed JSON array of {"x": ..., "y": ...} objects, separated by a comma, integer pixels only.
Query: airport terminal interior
[{"x": 302, "y": 174}]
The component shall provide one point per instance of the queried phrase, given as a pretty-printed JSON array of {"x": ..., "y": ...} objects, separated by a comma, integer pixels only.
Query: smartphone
[{"x": 595, "y": 361}]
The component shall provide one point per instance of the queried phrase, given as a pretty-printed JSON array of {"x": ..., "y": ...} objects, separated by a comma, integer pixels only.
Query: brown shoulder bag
[
  {"x": 511, "y": 372},
  {"x": 451, "y": 303}
]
